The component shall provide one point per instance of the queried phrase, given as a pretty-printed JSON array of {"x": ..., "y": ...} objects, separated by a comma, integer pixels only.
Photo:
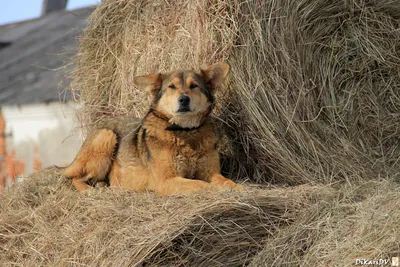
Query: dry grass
[
  {"x": 362, "y": 222},
  {"x": 44, "y": 222},
  {"x": 312, "y": 99},
  {"x": 313, "y": 89}
]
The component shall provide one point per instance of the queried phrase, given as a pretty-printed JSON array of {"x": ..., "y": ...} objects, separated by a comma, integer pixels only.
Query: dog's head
[{"x": 184, "y": 97}]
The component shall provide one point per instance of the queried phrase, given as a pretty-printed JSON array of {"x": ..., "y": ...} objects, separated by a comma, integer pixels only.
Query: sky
[{"x": 17, "y": 10}]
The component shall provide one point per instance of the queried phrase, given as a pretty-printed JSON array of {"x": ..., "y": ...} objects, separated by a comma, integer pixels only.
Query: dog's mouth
[{"x": 183, "y": 110}]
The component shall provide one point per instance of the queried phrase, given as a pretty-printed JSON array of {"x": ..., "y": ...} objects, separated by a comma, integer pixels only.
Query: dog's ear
[
  {"x": 215, "y": 74},
  {"x": 150, "y": 83}
]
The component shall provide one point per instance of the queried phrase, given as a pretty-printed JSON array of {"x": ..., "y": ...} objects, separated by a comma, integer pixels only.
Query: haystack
[
  {"x": 313, "y": 90},
  {"x": 312, "y": 99}
]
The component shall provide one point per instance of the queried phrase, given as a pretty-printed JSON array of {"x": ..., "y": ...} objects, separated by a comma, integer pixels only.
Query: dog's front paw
[
  {"x": 220, "y": 182},
  {"x": 230, "y": 185},
  {"x": 239, "y": 187}
]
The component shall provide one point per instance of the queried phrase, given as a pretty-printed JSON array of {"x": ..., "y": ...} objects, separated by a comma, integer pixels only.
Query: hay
[
  {"x": 361, "y": 223},
  {"x": 44, "y": 222},
  {"x": 312, "y": 92}
]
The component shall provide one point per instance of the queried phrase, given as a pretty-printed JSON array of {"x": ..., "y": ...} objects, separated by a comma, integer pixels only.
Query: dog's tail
[{"x": 94, "y": 159}]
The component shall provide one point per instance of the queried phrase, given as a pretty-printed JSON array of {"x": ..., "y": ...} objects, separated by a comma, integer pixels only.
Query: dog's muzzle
[{"x": 184, "y": 104}]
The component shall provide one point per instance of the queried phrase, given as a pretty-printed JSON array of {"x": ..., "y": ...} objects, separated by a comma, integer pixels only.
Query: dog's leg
[
  {"x": 180, "y": 185},
  {"x": 209, "y": 171},
  {"x": 93, "y": 160}
]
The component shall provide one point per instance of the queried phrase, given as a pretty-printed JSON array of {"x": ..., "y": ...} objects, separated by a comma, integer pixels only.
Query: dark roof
[{"x": 33, "y": 53}]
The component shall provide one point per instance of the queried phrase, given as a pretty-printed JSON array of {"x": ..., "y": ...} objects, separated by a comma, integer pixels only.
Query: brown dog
[{"x": 172, "y": 150}]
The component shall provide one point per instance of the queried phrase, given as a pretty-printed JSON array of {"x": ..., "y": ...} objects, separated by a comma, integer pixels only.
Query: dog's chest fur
[
  {"x": 187, "y": 149},
  {"x": 187, "y": 154}
]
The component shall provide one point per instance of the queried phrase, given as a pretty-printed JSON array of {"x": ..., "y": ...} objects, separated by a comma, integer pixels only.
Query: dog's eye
[
  {"x": 172, "y": 86},
  {"x": 192, "y": 86}
]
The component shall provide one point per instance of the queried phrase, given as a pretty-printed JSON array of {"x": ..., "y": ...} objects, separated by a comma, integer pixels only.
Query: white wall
[{"x": 52, "y": 127}]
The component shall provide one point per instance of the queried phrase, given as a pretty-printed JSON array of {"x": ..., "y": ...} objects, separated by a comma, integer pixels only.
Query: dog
[{"x": 172, "y": 150}]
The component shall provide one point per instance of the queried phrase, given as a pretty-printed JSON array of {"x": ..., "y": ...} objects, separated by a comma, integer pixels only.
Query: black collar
[{"x": 176, "y": 127}]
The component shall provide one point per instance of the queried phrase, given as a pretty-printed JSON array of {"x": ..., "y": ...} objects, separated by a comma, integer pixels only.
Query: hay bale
[
  {"x": 43, "y": 221},
  {"x": 312, "y": 92}
]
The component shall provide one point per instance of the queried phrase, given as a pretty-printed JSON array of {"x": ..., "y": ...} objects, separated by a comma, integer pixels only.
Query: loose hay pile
[
  {"x": 313, "y": 97},
  {"x": 43, "y": 222}
]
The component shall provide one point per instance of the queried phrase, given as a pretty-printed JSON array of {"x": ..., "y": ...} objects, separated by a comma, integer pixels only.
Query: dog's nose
[{"x": 184, "y": 100}]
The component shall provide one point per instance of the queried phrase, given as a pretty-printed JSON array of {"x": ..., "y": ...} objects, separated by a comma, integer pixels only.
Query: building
[{"x": 38, "y": 124}]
